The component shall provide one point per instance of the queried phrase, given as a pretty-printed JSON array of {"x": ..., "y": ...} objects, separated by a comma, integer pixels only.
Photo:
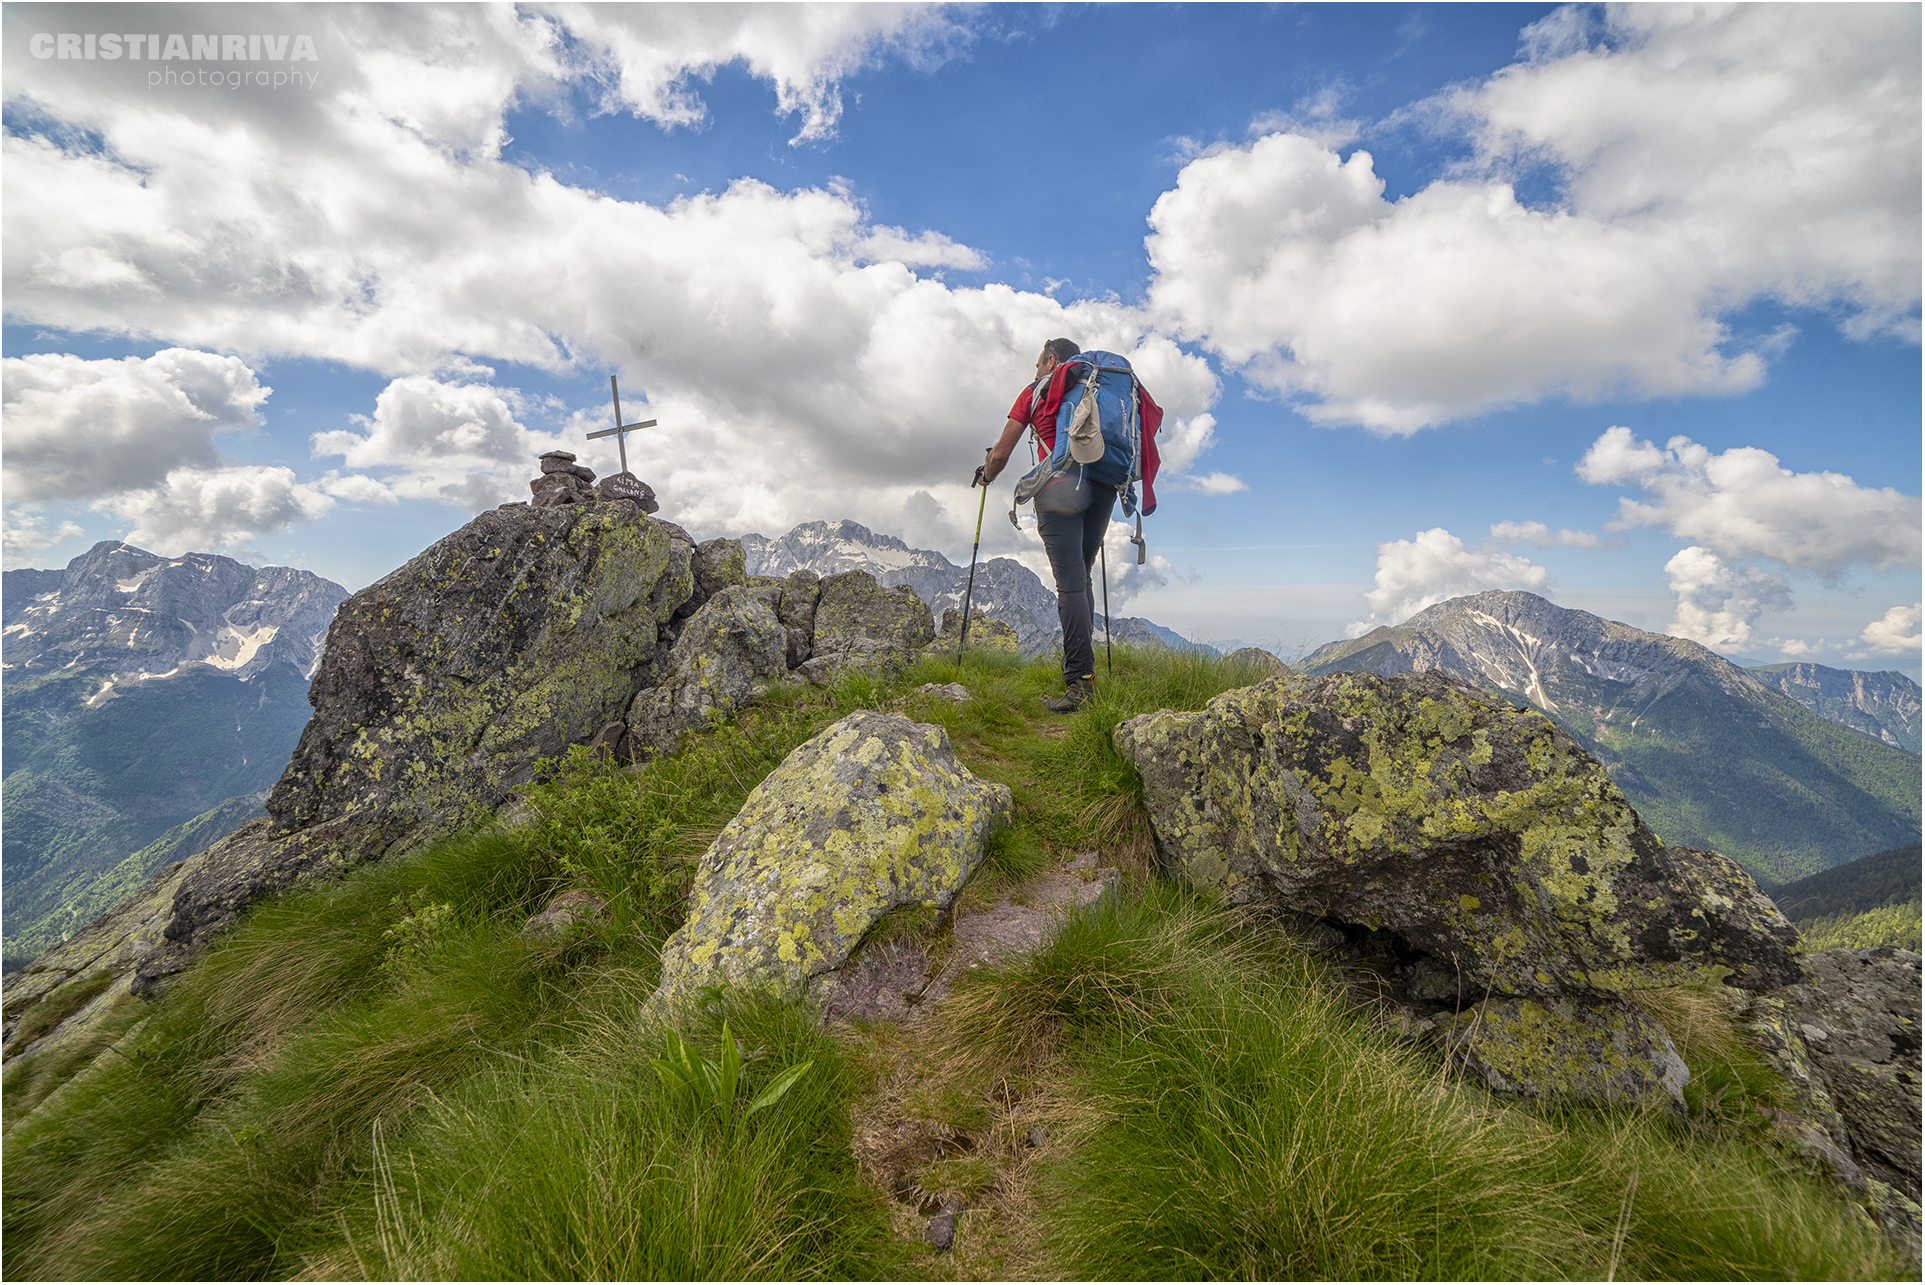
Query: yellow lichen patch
[
  {"x": 872, "y": 814},
  {"x": 1568, "y": 1049}
]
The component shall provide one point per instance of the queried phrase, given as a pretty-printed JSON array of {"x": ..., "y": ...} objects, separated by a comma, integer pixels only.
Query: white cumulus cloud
[
  {"x": 1719, "y": 603},
  {"x": 648, "y": 56},
  {"x": 1214, "y": 484},
  {"x": 200, "y": 509},
  {"x": 1896, "y": 633},
  {"x": 404, "y": 243},
  {"x": 1741, "y": 503},
  {"x": 1541, "y": 536},
  {"x": 78, "y": 428},
  {"x": 25, "y": 532},
  {"x": 460, "y": 444},
  {"x": 1433, "y": 566},
  {"x": 1706, "y": 157}
]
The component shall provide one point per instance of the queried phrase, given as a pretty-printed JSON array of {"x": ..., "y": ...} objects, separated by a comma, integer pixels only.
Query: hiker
[{"x": 1072, "y": 515}]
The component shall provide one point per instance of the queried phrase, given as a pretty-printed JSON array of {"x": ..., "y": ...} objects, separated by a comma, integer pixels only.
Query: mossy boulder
[
  {"x": 1480, "y": 835},
  {"x": 443, "y": 683},
  {"x": 718, "y": 565},
  {"x": 872, "y": 814},
  {"x": 984, "y": 631},
  {"x": 1568, "y": 1049},
  {"x": 734, "y": 639},
  {"x": 858, "y": 622}
]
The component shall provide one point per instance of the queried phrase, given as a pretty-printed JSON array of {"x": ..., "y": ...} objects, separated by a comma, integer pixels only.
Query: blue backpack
[{"x": 1098, "y": 425}]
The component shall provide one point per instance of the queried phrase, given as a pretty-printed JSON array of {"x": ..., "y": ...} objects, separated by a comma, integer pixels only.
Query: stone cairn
[{"x": 563, "y": 481}]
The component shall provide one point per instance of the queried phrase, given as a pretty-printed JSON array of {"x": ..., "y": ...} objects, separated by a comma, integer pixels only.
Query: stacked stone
[{"x": 563, "y": 481}]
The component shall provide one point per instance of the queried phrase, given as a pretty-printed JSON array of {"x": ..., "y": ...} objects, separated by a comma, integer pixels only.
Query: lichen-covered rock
[
  {"x": 984, "y": 631},
  {"x": 733, "y": 640},
  {"x": 874, "y": 813},
  {"x": 719, "y": 565},
  {"x": 1480, "y": 834},
  {"x": 1856, "y": 1013},
  {"x": 1567, "y": 1049},
  {"x": 795, "y": 608},
  {"x": 800, "y": 593},
  {"x": 522, "y": 633},
  {"x": 858, "y": 622}
]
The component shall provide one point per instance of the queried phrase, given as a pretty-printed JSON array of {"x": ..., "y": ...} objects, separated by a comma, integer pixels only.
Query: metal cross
[{"x": 621, "y": 430}]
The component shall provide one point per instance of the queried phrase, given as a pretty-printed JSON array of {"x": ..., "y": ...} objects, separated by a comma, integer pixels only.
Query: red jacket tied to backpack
[{"x": 1042, "y": 418}]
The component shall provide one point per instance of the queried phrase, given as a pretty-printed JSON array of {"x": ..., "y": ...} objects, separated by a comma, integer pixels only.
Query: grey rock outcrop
[
  {"x": 1857, "y": 1013},
  {"x": 873, "y": 813},
  {"x": 734, "y": 639},
  {"x": 1480, "y": 835},
  {"x": 859, "y": 623},
  {"x": 524, "y": 632},
  {"x": 718, "y": 566},
  {"x": 984, "y": 631},
  {"x": 1004, "y": 588},
  {"x": 1268, "y": 663},
  {"x": 115, "y": 943}
]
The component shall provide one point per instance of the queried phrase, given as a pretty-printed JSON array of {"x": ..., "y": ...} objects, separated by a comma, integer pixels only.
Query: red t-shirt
[
  {"x": 1042, "y": 418},
  {"x": 1024, "y": 412}
]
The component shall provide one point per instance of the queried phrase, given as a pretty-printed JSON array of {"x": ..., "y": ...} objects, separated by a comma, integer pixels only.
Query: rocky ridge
[
  {"x": 1884, "y": 705},
  {"x": 1712, "y": 756}
]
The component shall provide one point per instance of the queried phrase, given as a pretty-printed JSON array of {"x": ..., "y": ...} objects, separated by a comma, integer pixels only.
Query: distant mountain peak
[{"x": 125, "y": 614}]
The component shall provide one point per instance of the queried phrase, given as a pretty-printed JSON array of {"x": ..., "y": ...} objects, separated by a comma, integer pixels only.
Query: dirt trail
[{"x": 954, "y": 1154}]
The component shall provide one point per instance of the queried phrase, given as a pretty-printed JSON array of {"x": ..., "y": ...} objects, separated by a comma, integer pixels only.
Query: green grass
[
  {"x": 1894, "y": 925},
  {"x": 1243, "y": 1123},
  {"x": 378, "y": 1077}
]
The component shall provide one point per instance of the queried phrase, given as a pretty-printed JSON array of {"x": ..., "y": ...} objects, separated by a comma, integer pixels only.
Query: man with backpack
[{"x": 1114, "y": 422}]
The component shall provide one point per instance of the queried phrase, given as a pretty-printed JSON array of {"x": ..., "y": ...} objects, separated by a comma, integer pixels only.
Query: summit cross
[{"x": 621, "y": 431}]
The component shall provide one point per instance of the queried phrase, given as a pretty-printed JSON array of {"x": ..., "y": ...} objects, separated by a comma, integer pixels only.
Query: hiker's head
[{"x": 1055, "y": 352}]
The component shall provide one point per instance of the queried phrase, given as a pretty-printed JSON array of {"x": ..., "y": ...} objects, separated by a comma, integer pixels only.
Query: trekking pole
[
  {"x": 1109, "y": 659},
  {"x": 962, "y": 634}
]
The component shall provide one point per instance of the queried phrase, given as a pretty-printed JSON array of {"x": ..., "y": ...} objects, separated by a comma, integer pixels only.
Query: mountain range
[
  {"x": 1883, "y": 704},
  {"x": 1004, "y": 587},
  {"x": 141, "y": 692},
  {"x": 1712, "y": 755}
]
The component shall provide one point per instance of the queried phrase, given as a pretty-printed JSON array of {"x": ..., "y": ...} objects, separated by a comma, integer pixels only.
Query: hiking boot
[{"x": 1079, "y": 694}]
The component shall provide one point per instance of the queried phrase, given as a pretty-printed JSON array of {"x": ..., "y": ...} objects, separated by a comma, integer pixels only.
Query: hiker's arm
[{"x": 1005, "y": 445}]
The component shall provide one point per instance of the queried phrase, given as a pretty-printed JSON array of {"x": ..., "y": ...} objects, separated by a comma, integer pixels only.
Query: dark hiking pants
[{"x": 1072, "y": 515}]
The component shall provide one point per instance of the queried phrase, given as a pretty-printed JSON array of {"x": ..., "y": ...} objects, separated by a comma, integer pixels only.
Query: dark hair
[{"x": 1062, "y": 349}]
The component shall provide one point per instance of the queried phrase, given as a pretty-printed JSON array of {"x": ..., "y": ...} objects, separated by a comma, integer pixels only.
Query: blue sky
[{"x": 1615, "y": 305}]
